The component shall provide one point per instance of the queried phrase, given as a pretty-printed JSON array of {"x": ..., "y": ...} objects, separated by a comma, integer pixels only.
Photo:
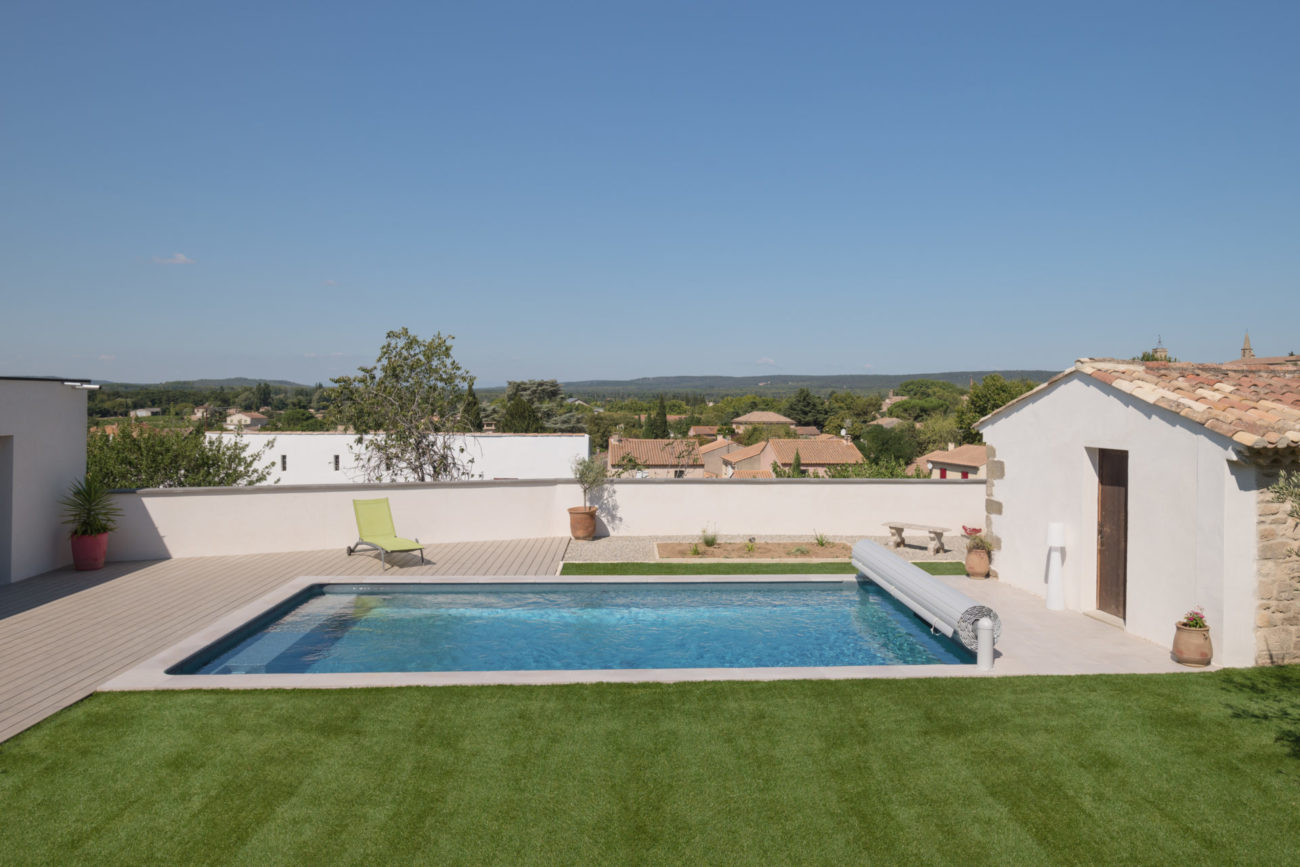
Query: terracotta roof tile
[
  {"x": 656, "y": 453},
  {"x": 753, "y": 474},
  {"x": 742, "y": 454},
  {"x": 1254, "y": 404},
  {"x": 762, "y": 417},
  {"x": 714, "y": 446},
  {"x": 816, "y": 452},
  {"x": 971, "y": 455}
]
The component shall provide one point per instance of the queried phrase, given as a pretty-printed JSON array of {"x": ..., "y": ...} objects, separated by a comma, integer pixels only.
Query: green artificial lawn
[
  {"x": 1152, "y": 769},
  {"x": 715, "y": 567}
]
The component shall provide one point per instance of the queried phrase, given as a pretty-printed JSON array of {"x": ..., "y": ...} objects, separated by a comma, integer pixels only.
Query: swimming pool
[{"x": 414, "y": 627}]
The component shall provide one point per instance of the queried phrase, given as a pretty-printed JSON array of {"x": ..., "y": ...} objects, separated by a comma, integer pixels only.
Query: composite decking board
[
  {"x": 520, "y": 556},
  {"x": 535, "y": 552},
  {"x": 65, "y": 633}
]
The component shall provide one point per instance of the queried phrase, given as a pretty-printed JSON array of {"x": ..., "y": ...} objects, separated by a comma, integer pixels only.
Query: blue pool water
[{"x": 425, "y": 627}]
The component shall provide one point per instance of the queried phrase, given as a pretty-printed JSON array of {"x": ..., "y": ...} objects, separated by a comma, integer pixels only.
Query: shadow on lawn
[{"x": 1274, "y": 698}]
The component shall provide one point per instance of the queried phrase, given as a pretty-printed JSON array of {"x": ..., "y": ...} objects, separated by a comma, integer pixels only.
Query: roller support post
[{"x": 984, "y": 644}]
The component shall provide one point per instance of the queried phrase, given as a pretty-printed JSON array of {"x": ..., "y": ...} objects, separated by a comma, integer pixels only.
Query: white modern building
[
  {"x": 312, "y": 458},
  {"x": 42, "y": 453},
  {"x": 1159, "y": 475}
]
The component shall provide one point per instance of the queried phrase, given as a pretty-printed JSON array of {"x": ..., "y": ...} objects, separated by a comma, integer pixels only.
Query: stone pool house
[{"x": 1160, "y": 473}]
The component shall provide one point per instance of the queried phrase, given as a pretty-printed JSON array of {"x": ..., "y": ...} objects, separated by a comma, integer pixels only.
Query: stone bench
[{"x": 936, "y": 535}]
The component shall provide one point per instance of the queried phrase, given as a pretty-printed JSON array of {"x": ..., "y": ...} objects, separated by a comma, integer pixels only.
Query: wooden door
[{"x": 1112, "y": 531}]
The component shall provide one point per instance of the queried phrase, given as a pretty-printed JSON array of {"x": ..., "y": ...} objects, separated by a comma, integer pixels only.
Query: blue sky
[{"x": 611, "y": 190}]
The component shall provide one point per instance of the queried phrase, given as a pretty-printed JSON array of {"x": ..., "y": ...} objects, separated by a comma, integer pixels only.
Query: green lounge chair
[{"x": 375, "y": 530}]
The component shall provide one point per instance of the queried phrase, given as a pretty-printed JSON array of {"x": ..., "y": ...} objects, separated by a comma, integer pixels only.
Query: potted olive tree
[
  {"x": 591, "y": 474},
  {"x": 91, "y": 512}
]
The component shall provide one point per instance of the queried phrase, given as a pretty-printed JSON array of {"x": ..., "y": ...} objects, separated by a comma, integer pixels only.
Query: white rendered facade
[
  {"x": 42, "y": 452},
  {"x": 1191, "y": 509}
]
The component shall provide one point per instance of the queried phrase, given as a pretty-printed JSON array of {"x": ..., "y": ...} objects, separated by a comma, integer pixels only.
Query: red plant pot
[{"x": 88, "y": 552}]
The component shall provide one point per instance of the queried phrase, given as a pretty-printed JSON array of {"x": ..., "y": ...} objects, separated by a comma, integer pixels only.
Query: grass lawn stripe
[{"x": 1136, "y": 768}]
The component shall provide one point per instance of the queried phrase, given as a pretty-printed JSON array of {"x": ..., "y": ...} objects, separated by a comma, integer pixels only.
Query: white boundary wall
[
  {"x": 198, "y": 522},
  {"x": 308, "y": 458}
]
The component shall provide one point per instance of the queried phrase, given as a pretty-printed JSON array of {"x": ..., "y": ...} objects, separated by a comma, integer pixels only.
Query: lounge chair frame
[{"x": 386, "y": 531}]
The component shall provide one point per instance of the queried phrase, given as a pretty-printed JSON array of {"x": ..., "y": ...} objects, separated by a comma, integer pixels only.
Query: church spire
[{"x": 1246, "y": 351}]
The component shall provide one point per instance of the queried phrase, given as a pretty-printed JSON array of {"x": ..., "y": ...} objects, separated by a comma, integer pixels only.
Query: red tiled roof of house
[
  {"x": 807, "y": 430},
  {"x": 753, "y": 474},
  {"x": 816, "y": 452},
  {"x": 656, "y": 453},
  {"x": 714, "y": 446},
  {"x": 742, "y": 454},
  {"x": 1254, "y": 405},
  {"x": 703, "y": 430},
  {"x": 973, "y": 455},
  {"x": 762, "y": 416}
]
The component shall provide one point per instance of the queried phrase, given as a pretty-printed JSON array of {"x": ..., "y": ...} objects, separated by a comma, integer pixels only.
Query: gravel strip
[{"x": 641, "y": 549}]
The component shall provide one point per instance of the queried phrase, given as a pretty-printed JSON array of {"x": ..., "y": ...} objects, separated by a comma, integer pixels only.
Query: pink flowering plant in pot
[{"x": 1192, "y": 639}]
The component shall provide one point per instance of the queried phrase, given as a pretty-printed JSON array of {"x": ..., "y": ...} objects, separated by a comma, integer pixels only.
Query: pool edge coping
[{"x": 152, "y": 673}]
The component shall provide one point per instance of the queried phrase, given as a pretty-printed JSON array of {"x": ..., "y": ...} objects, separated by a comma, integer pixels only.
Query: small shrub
[
  {"x": 799, "y": 549},
  {"x": 979, "y": 542},
  {"x": 695, "y": 549},
  {"x": 749, "y": 547},
  {"x": 708, "y": 538},
  {"x": 821, "y": 539}
]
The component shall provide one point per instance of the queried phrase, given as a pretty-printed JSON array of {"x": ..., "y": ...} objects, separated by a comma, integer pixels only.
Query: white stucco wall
[
  {"x": 1191, "y": 513},
  {"x": 42, "y": 452},
  {"x": 309, "y": 457},
  {"x": 196, "y": 522}
]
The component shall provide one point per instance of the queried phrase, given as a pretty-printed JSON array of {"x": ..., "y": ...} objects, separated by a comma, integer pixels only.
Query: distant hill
[
  {"x": 777, "y": 385},
  {"x": 232, "y": 382}
]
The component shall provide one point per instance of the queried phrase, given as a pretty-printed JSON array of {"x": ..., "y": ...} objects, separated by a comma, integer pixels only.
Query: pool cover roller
[{"x": 948, "y": 610}]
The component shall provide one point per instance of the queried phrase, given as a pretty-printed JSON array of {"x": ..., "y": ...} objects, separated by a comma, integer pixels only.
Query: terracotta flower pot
[
  {"x": 977, "y": 563},
  {"x": 88, "y": 552},
  {"x": 1192, "y": 645},
  {"x": 582, "y": 522}
]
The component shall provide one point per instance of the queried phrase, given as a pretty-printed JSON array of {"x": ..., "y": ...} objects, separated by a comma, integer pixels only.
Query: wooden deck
[{"x": 64, "y": 633}]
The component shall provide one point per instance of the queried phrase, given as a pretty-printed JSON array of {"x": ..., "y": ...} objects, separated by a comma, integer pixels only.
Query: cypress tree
[
  {"x": 470, "y": 414},
  {"x": 656, "y": 423},
  {"x": 796, "y": 466}
]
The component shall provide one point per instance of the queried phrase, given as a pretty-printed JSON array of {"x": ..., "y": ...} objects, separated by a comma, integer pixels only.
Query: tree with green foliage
[
  {"x": 297, "y": 420},
  {"x": 535, "y": 391},
  {"x": 796, "y": 466},
  {"x": 520, "y": 417},
  {"x": 920, "y": 408},
  {"x": 888, "y": 468},
  {"x": 656, "y": 423},
  {"x": 899, "y": 443},
  {"x": 409, "y": 399},
  {"x": 756, "y": 433},
  {"x": 992, "y": 393},
  {"x": 141, "y": 456},
  {"x": 471, "y": 418},
  {"x": 937, "y": 431},
  {"x": 262, "y": 394},
  {"x": 806, "y": 408}
]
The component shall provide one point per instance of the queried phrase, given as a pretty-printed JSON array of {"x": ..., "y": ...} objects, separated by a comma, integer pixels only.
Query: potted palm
[
  {"x": 979, "y": 551},
  {"x": 591, "y": 474},
  {"x": 1192, "y": 639},
  {"x": 90, "y": 510}
]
